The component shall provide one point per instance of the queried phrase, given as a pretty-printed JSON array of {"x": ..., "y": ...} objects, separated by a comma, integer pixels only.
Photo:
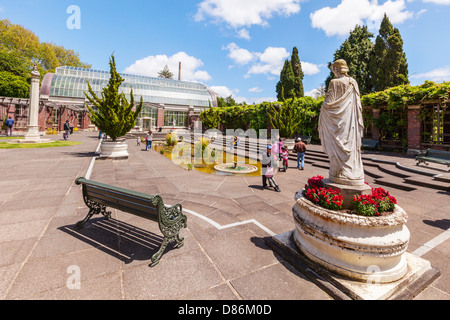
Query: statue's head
[{"x": 340, "y": 66}]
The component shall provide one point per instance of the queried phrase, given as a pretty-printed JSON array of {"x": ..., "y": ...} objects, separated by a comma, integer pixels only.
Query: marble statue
[{"x": 341, "y": 127}]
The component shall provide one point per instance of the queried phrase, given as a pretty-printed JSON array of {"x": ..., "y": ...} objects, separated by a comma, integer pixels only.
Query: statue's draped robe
[{"x": 341, "y": 129}]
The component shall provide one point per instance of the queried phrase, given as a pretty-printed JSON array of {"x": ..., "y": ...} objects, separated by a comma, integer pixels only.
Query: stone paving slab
[{"x": 224, "y": 256}]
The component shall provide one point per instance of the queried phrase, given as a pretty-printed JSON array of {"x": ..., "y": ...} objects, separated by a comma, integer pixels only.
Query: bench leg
[
  {"x": 157, "y": 256},
  {"x": 94, "y": 208}
]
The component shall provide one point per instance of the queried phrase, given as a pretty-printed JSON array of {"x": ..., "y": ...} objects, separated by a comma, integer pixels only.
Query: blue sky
[{"x": 236, "y": 47}]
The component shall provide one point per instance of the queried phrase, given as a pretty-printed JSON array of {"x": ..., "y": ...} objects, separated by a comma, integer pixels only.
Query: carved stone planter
[
  {"x": 114, "y": 149},
  {"x": 289, "y": 143},
  {"x": 357, "y": 247}
]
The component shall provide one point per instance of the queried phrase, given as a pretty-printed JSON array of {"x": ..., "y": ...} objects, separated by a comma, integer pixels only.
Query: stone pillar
[
  {"x": 32, "y": 134},
  {"x": 414, "y": 129},
  {"x": 160, "y": 120}
]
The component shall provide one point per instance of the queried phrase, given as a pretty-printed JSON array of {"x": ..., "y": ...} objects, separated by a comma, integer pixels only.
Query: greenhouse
[{"x": 167, "y": 103}]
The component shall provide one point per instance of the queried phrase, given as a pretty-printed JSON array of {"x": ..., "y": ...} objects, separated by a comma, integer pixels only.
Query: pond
[{"x": 226, "y": 163}]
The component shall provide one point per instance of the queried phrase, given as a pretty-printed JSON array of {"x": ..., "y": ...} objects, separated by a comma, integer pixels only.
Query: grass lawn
[{"x": 5, "y": 145}]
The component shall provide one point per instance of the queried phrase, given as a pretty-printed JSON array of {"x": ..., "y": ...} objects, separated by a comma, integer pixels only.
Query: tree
[
  {"x": 165, "y": 73},
  {"x": 13, "y": 86},
  {"x": 113, "y": 114},
  {"x": 388, "y": 66},
  {"x": 285, "y": 117},
  {"x": 298, "y": 73},
  {"x": 11, "y": 63},
  {"x": 356, "y": 50},
  {"x": 25, "y": 46},
  {"x": 286, "y": 86},
  {"x": 226, "y": 102}
]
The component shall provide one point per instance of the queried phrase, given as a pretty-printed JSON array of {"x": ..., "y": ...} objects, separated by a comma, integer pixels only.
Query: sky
[{"x": 236, "y": 47}]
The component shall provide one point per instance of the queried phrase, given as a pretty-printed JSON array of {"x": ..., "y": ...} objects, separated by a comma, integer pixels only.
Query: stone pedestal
[
  {"x": 352, "y": 245},
  {"x": 420, "y": 274},
  {"x": 348, "y": 192},
  {"x": 351, "y": 256}
]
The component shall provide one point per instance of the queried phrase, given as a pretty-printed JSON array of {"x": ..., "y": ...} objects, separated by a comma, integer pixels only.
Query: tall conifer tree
[
  {"x": 388, "y": 65},
  {"x": 286, "y": 86},
  {"x": 298, "y": 73},
  {"x": 356, "y": 51}
]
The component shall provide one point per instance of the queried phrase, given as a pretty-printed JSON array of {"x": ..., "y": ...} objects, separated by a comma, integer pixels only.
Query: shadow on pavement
[{"x": 119, "y": 239}]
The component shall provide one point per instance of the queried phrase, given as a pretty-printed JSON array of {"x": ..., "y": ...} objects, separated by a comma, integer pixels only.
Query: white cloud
[
  {"x": 239, "y": 55},
  {"x": 421, "y": 12},
  {"x": 224, "y": 91},
  {"x": 313, "y": 93},
  {"x": 439, "y": 74},
  {"x": 243, "y": 34},
  {"x": 438, "y": 1},
  {"x": 245, "y": 13},
  {"x": 309, "y": 68},
  {"x": 151, "y": 65},
  {"x": 349, "y": 13},
  {"x": 270, "y": 61}
]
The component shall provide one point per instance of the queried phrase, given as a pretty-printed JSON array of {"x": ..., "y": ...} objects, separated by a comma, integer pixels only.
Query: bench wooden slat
[
  {"x": 99, "y": 196},
  {"x": 436, "y": 156},
  {"x": 121, "y": 201}
]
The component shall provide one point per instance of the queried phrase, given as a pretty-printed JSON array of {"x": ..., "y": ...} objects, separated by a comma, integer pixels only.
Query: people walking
[
  {"x": 300, "y": 149},
  {"x": 280, "y": 148},
  {"x": 285, "y": 157},
  {"x": 268, "y": 169},
  {"x": 66, "y": 130},
  {"x": 9, "y": 126},
  {"x": 149, "y": 140}
]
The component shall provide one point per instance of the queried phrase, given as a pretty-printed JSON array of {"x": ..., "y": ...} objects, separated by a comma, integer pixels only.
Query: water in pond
[{"x": 207, "y": 165}]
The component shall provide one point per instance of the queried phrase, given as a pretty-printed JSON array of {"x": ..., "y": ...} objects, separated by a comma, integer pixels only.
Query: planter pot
[
  {"x": 289, "y": 143},
  {"x": 356, "y": 247},
  {"x": 114, "y": 149}
]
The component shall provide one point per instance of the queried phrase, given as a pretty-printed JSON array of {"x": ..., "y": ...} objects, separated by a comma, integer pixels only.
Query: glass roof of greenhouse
[{"x": 71, "y": 82}]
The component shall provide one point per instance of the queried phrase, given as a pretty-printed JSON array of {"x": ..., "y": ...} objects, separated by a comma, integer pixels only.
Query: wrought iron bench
[
  {"x": 370, "y": 143},
  {"x": 436, "y": 156},
  {"x": 305, "y": 139},
  {"x": 99, "y": 196}
]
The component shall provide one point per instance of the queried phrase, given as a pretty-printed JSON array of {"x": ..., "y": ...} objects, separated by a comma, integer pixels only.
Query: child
[
  {"x": 268, "y": 169},
  {"x": 285, "y": 155},
  {"x": 138, "y": 141}
]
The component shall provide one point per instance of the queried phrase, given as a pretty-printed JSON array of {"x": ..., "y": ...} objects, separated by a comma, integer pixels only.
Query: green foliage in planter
[
  {"x": 380, "y": 201},
  {"x": 112, "y": 113},
  {"x": 171, "y": 139},
  {"x": 327, "y": 198}
]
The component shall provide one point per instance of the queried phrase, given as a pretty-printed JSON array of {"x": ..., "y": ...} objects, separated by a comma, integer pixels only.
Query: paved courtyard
[{"x": 225, "y": 255}]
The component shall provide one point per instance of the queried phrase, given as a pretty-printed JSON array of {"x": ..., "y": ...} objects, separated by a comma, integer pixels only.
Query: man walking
[
  {"x": 66, "y": 130},
  {"x": 9, "y": 126},
  {"x": 149, "y": 140},
  {"x": 300, "y": 148}
]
